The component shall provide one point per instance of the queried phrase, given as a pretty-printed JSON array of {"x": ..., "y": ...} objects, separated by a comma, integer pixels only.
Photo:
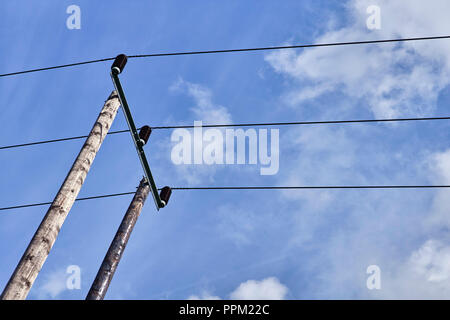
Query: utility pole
[
  {"x": 146, "y": 186},
  {"x": 37, "y": 251},
  {"x": 117, "y": 247}
]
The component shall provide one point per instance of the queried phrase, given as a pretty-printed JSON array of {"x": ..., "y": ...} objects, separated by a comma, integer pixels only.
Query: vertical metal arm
[{"x": 137, "y": 141}]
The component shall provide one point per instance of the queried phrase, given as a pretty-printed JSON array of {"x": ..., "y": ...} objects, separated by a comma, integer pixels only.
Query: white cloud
[
  {"x": 393, "y": 80},
  {"x": 266, "y": 289},
  {"x": 432, "y": 261},
  {"x": 54, "y": 284},
  {"x": 204, "y": 296},
  {"x": 208, "y": 112},
  {"x": 204, "y": 110},
  {"x": 425, "y": 274},
  {"x": 351, "y": 230},
  {"x": 382, "y": 228},
  {"x": 405, "y": 233},
  {"x": 439, "y": 164}
]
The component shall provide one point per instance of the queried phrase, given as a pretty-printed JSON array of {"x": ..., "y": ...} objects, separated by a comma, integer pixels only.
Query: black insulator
[
  {"x": 165, "y": 195},
  {"x": 144, "y": 133},
  {"x": 119, "y": 63}
]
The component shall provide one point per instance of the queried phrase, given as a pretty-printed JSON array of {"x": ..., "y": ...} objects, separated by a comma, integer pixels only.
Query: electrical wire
[
  {"x": 230, "y": 51},
  {"x": 247, "y": 188},
  {"x": 238, "y": 125},
  {"x": 78, "y": 199},
  {"x": 315, "y": 187},
  {"x": 56, "y": 67},
  {"x": 54, "y": 140},
  {"x": 266, "y": 124}
]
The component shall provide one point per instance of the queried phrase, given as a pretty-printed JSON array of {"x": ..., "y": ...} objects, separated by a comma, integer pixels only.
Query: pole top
[{"x": 119, "y": 63}]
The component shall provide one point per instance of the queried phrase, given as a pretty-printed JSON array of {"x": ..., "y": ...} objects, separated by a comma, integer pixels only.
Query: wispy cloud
[
  {"x": 205, "y": 295},
  {"x": 208, "y": 112},
  {"x": 266, "y": 289},
  {"x": 54, "y": 285},
  {"x": 204, "y": 109},
  {"x": 406, "y": 234},
  {"x": 392, "y": 79}
]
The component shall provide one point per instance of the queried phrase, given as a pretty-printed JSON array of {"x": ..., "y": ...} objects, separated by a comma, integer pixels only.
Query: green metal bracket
[{"x": 137, "y": 141}]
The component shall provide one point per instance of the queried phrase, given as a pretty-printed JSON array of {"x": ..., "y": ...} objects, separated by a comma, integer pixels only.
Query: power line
[
  {"x": 230, "y": 51},
  {"x": 56, "y": 67},
  {"x": 79, "y": 199},
  {"x": 248, "y": 188},
  {"x": 266, "y": 124},
  {"x": 54, "y": 140},
  {"x": 315, "y": 187},
  {"x": 290, "y": 47}
]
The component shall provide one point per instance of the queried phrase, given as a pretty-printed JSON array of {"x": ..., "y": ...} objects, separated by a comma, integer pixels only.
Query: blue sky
[{"x": 234, "y": 244}]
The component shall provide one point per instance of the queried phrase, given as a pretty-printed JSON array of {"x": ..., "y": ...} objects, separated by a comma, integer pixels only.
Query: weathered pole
[
  {"x": 117, "y": 247},
  {"x": 37, "y": 251}
]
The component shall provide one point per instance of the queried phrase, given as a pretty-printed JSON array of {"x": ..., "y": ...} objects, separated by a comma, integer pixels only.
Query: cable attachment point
[
  {"x": 119, "y": 64},
  {"x": 165, "y": 195},
  {"x": 144, "y": 134}
]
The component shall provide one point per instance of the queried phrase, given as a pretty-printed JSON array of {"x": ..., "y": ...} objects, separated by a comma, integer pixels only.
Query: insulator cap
[
  {"x": 165, "y": 195},
  {"x": 144, "y": 133},
  {"x": 119, "y": 63}
]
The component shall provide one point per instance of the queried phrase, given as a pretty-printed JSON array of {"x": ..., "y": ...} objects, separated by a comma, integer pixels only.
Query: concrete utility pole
[
  {"x": 115, "y": 251},
  {"x": 35, "y": 255}
]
